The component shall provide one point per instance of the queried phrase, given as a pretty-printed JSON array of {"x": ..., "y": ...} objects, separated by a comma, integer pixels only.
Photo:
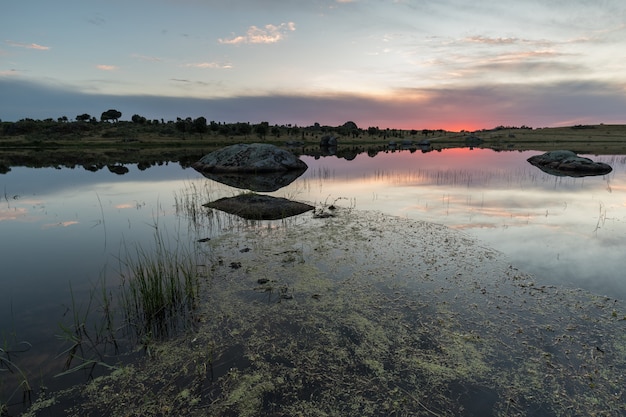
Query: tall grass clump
[{"x": 159, "y": 289}]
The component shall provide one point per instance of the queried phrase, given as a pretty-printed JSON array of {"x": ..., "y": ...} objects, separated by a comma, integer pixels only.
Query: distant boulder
[
  {"x": 328, "y": 141},
  {"x": 118, "y": 169},
  {"x": 250, "y": 158},
  {"x": 568, "y": 163},
  {"x": 473, "y": 140}
]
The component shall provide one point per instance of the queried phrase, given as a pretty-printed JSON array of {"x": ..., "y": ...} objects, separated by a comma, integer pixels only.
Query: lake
[{"x": 64, "y": 231}]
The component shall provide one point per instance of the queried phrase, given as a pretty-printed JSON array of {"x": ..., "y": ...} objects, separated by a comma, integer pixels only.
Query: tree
[
  {"x": 243, "y": 128},
  {"x": 83, "y": 117},
  {"x": 184, "y": 125},
  {"x": 138, "y": 119},
  {"x": 261, "y": 129},
  {"x": 199, "y": 125},
  {"x": 350, "y": 125},
  {"x": 110, "y": 114}
]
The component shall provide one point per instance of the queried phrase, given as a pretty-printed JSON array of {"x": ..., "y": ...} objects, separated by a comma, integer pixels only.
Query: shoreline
[{"x": 97, "y": 152}]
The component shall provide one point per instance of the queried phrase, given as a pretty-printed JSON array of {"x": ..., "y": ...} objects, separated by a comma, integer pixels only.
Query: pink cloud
[
  {"x": 28, "y": 45},
  {"x": 107, "y": 67},
  {"x": 147, "y": 58},
  {"x": 267, "y": 34},
  {"x": 209, "y": 65}
]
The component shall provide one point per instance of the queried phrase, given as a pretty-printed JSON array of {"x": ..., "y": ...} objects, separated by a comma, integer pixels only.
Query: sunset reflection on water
[
  {"x": 568, "y": 231},
  {"x": 63, "y": 230}
]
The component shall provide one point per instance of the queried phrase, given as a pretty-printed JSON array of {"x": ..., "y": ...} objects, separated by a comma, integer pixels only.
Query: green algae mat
[{"x": 362, "y": 314}]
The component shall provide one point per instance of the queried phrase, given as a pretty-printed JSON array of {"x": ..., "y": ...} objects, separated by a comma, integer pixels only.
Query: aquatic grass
[
  {"x": 9, "y": 365},
  {"x": 11, "y": 347},
  {"x": 186, "y": 202},
  {"x": 159, "y": 288},
  {"x": 88, "y": 334}
]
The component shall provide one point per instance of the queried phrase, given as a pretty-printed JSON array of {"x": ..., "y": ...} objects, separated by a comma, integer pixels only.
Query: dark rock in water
[
  {"x": 250, "y": 158},
  {"x": 118, "y": 169},
  {"x": 259, "y": 207},
  {"x": 328, "y": 141},
  {"x": 473, "y": 140},
  {"x": 568, "y": 163},
  {"x": 257, "y": 166}
]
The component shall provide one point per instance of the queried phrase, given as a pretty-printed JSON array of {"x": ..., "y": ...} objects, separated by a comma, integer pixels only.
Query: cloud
[
  {"x": 97, "y": 20},
  {"x": 103, "y": 67},
  {"x": 186, "y": 81},
  {"x": 486, "y": 106},
  {"x": 146, "y": 58},
  {"x": 268, "y": 34},
  {"x": 28, "y": 45},
  {"x": 208, "y": 65},
  {"x": 9, "y": 73},
  {"x": 492, "y": 41}
]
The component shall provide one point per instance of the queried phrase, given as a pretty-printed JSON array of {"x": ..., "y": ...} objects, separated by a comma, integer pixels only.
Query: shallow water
[
  {"x": 69, "y": 226},
  {"x": 568, "y": 231}
]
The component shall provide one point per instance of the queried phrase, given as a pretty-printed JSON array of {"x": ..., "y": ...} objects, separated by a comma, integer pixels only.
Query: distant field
[{"x": 598, "y": 139}]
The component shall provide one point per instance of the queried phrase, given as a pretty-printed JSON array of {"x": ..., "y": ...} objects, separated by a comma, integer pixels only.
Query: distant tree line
[{"x": 110, "y": 125}]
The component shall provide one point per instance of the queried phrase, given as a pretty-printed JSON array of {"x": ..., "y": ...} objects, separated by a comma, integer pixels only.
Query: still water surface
[{"x": 62, "y": 227}]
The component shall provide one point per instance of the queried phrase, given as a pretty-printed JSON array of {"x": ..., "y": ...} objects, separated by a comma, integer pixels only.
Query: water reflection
[
  {"x": 62, "y": 226},
  {"x": 570, "y": 231},
  {"x": 260, "y": 182}
]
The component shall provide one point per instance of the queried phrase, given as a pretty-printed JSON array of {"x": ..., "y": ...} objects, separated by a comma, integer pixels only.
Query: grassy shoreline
[{"x": 147, "y": 149}]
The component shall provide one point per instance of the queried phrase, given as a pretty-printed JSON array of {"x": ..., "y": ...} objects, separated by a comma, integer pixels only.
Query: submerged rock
[
  {"x": 250, "y": 158},
  {"x": 568, "y": 163},
  {"x": 259, "y": 207}
]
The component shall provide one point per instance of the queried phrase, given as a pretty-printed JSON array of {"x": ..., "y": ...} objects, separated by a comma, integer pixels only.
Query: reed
[
  {"x": 155, "y": 300},
  {"x": 8, "y": 365},
  {"x": 88, "y": 334},
  {"x": 10, "y": 348},
  {"x": 159, "y": 288}
]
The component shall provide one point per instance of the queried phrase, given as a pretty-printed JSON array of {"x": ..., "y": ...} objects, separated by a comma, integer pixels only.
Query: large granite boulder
[
  {"x": 256, "y": 166},
  {"x": 568, "y": 163},
  {"x": 250, "y": 158}
]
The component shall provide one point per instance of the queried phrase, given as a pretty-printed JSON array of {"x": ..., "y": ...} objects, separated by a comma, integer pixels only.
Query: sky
[{"x": 407, "y": 64}]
